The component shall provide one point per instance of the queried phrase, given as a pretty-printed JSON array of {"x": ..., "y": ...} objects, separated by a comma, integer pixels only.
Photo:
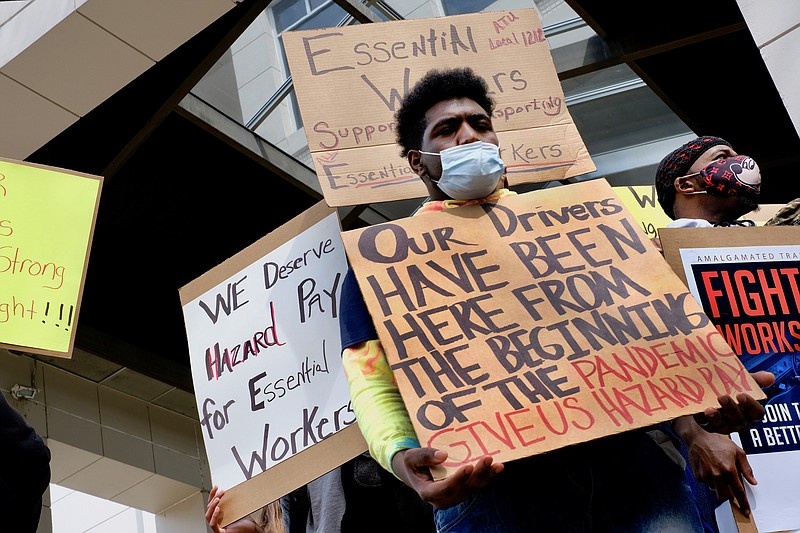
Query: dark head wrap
[{"x": 677, "y": 164}]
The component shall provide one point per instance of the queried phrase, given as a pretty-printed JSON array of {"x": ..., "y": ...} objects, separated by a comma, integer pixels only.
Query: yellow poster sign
[
  {"x": 642, "y": 202},
  {"x": 47, "y": 218}
]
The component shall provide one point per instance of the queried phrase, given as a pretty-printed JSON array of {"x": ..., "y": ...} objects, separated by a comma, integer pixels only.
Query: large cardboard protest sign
[
  {"x": 47, "y": 218},
  {"x": 265, "y": 353},
  {"x": 748, "y": 282},
  {"x": 349, "y": 82},
  {"x": 544, "y": 320}
]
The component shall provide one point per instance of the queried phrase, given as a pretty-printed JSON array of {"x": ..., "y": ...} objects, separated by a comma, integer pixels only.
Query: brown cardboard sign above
[
  {"x": 544, "y": 320},
  {"x": 350, "y": 81}
]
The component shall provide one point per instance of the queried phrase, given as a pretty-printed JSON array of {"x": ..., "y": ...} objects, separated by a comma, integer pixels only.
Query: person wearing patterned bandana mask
[{"x": 705, "y": 183}]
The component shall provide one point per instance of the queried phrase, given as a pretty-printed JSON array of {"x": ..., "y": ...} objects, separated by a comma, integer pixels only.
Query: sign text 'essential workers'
[{"x": 350, "y": 81}]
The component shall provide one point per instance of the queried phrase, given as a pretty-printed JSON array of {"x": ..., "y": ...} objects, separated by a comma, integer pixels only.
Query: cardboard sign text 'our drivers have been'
[
  {"x": 349, "y": 82},
  {"x": 531, "y": 324}
]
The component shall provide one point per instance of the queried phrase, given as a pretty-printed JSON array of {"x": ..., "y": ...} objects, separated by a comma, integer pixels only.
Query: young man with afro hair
[{"x": 620, "y": 483}]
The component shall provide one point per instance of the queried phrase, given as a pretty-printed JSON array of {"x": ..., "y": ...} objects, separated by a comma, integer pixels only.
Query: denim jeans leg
[
  {"x": 619, "y": 484},
  {"x": 641, "y": 490},
  {"x": 547, "y": 493}
]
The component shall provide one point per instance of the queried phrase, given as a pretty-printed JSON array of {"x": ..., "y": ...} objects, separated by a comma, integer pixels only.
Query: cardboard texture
[
  {"x": 545, "y": 320},
  {"x": 349, "y": 82},
  {"x": 265, "y": 354},
  {"x": 673, "y": 239},
  {"x": 746, "y": 280},
  {"x": 744, "y": 524},
  {"x": 246, "y": 498},
  {"x": 46, "y": 228}
]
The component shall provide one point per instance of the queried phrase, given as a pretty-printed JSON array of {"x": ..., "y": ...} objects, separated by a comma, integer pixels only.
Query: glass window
[
  {"x": 460, "y": 7},
  {"x": 303, "y": 15},
  {"x": 306, "y": 14},
  {"x": 288, "y": 12},
  {"x": 327, "y": 17}
]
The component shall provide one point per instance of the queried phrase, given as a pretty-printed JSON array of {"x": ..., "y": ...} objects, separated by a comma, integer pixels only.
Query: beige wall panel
[
  {"x": 71, "y": 394},
  {"x": 124, "y": 413},
  {"x": 173, "y": 431},
  {"x": 179, "y": 466},
  {"x": 127, "y": 449},
  {"x": 74, "y": 430},
  {"x": 155, "y": 494},
  {"x": 767, "y": 19},
  {"x": 67, "y": 460},
  {"x": 35, "y": 120},
  {"x": 155, "y": 27},
  {"x": 77, "y": 64},
  {"x": 106, "y": 478}
]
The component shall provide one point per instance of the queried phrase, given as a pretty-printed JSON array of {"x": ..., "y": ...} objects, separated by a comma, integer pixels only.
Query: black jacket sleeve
[{"x": 25, "y": 471}]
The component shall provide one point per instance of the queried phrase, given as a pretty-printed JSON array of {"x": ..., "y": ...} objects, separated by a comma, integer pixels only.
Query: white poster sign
[
  {"x": 266, "y": 353},
  {"x": 752, "y": 295}
]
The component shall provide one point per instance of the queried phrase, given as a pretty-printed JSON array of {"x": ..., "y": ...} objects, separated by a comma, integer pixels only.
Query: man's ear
[
  {"x": 415, "y": 161},
  {"x": 686, "y": 184}
]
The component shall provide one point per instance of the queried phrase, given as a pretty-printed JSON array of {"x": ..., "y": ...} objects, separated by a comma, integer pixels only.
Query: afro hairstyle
[{"x": 436, "y": 86}]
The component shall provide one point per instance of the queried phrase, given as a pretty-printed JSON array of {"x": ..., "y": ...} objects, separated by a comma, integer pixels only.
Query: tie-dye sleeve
[{"x": 379, "y": 409}]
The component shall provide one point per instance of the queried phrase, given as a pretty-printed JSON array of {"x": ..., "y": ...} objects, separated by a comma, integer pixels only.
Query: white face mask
[{"x": 469, "y": 171}]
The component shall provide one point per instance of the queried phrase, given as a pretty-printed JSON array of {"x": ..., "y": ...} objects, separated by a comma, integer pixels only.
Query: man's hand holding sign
[{"x": 733, "y": 416}]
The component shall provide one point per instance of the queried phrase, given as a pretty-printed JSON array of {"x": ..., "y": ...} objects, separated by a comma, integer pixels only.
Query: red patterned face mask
[{"x": 737, "y": 176}]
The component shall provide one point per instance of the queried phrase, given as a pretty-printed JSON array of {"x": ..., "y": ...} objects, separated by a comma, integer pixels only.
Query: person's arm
[
  {"x": 713, "y": 457},
  {"x": 378, "y": 406},
  {"x": 716, "y": 461},
  {"x": 382, "y": 415},
  {"x": 386, "y": 425},
  {"x": 376, "y": 401},
  {"x": 26, "y": 474}
]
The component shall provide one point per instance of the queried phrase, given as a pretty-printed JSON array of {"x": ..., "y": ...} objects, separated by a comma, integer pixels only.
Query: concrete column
[
  {"x": 46, "y": 519},
  {"x": 187, "y": 516}
]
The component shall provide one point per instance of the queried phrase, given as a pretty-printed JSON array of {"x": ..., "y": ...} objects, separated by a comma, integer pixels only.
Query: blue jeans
[{"x": 620, "y": 484}]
